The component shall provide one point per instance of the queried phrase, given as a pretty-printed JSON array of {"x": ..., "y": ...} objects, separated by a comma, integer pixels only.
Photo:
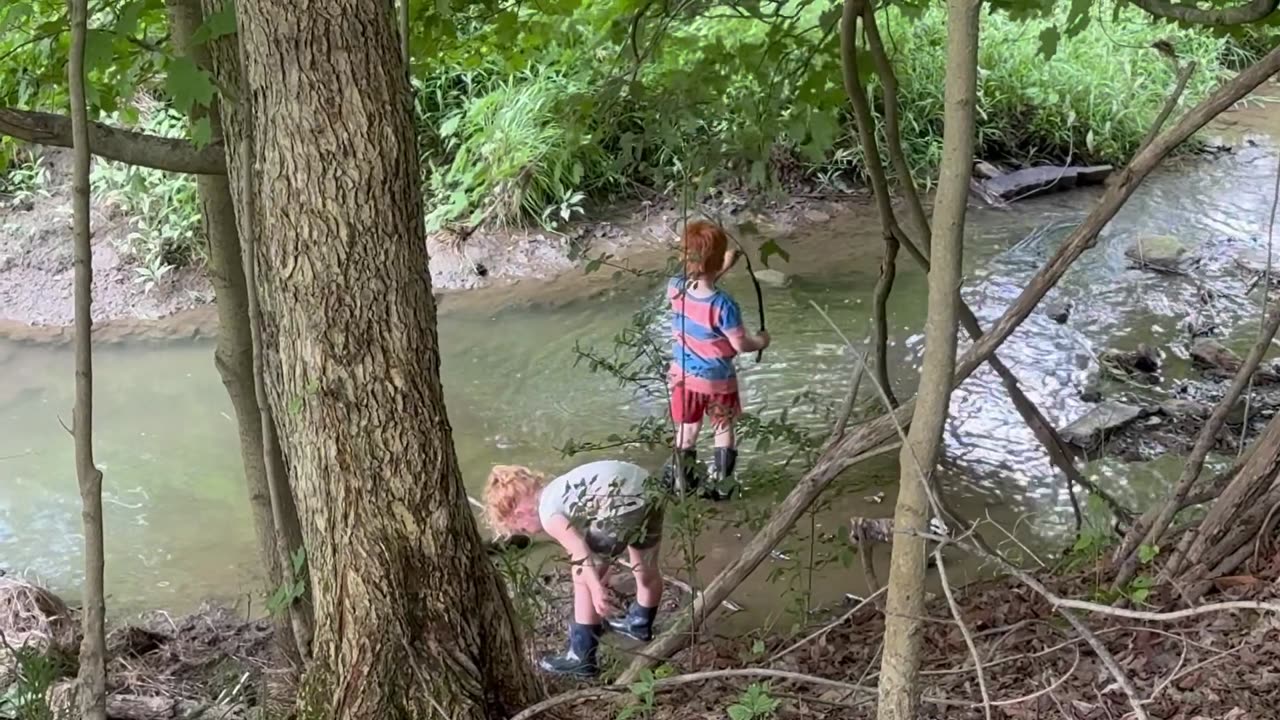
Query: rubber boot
[
  {"x": 637, "y": 624},
  {"x": 579, "y": 660},
  {"x": 683, "y": 468},
  {"x": 724, "y": 487}
]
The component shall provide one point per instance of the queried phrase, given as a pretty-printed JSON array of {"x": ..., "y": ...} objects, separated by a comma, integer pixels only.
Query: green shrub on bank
[
  {"x": 165, "y": 207},
  {"x": 1093, "y": 101}
]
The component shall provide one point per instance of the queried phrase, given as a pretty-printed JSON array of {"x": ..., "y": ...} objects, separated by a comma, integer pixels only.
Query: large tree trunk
[
  {"x": 904, "y": 606},
  {"x": 93, "y": 648},
  {"x": 411, "y": 620},
  {"x": 233, "y": 356}
]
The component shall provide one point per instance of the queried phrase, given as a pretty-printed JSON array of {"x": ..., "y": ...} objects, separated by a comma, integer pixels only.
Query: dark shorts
[{"x": 640, "y": 529}]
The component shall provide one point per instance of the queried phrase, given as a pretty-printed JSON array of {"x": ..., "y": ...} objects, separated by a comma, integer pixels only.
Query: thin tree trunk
[
  {"x": 411, "y": 619},
  {"x": 93, "y": 649},
  {"x": 233, "y": 356},
  {"x": 860, "y": 443},
  {"x": 1148, "y": 530},
  {"x": 880, "y": 310},
  {"x": 904, "y": 606},
  {"x": 1040, "y": 426}
]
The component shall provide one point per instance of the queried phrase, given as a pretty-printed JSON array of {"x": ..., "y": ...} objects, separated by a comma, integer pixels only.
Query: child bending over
[{"x": 596, "y": 512}]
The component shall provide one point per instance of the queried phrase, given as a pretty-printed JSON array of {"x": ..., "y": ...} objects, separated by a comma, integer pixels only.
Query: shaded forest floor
[{"x": 1214, "y": 666}]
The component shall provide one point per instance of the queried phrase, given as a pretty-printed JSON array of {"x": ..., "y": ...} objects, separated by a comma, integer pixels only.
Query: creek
[{"x": 178, "y": 527}]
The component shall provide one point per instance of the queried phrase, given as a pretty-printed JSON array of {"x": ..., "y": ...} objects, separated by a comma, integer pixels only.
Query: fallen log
[{"x": 1030, "y": 182}]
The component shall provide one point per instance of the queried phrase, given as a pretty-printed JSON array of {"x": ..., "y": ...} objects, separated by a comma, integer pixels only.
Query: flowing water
[{"x": 177, "y": 518}]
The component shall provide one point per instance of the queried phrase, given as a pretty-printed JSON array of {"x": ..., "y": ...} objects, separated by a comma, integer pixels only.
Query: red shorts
[{"x": 688, "y": 406}]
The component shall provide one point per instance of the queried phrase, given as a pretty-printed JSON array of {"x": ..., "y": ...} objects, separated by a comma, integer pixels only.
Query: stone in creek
[
  {"x": 1059, "y": 312},
  {"x": 773, "y": 278},
  {"x": 1132, "y": 362},
  {"x": 1178, "y": 408},
  {"x": 816, "y": 216},
  {"x": 1221, "y": 362},
  {"x": 1101, "y": 421},
  {"x": 1159, "y": 252},
  {"x": 986, "y": 170}
]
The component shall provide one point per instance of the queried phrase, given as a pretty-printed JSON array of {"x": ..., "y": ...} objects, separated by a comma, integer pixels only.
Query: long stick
[{"x": 93, "y": 649}]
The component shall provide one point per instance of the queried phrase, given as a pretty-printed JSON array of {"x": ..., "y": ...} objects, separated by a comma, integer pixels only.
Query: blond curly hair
[{"x": 505, "y": 488}]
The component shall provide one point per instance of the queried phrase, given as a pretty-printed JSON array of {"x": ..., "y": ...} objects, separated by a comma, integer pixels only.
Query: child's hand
[
  {"x": 764, "y": 339},
  {"x": 603, "y": 602}
]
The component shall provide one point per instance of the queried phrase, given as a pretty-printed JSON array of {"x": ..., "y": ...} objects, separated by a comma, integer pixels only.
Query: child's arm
[
  {"x": 729, "y": 321},
  {"x": 580, "y": 559}
]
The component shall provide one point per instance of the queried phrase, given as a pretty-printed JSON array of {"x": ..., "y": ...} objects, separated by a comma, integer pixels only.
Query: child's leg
[
  {"x": 644, "y": 565},
  {"x": 584, "y": 611}
]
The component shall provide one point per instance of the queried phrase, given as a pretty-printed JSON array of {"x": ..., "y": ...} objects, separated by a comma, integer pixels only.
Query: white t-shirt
[{"x": 595, "y": 491}]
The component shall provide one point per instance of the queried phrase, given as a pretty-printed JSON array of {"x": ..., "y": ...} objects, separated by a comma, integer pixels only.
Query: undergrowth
[{"x": 165, "y": 207}]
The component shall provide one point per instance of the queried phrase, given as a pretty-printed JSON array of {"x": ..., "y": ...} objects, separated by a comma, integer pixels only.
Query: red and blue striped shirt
[{"x": 702, "y": 356}]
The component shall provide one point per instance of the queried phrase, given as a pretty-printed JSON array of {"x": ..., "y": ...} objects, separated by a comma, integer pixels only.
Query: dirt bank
[{"x": 36, "y": 259}]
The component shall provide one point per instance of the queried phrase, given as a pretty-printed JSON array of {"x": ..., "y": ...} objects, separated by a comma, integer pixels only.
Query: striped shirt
[{"x": 702, "y": 356}]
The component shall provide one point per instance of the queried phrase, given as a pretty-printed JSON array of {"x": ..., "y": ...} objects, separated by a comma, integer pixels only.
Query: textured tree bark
[
  {"x": 233, "y": 356},
  {"x": 411, "y": 620},
  {"x": 900, "y": 664},
  {"x": 93, "y": 648}
]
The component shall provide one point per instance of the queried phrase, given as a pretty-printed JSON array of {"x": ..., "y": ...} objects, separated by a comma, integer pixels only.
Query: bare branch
[
  {"x": 828, "y": 627},
  {"x": 127, "y": 146},
  {"x": 964, "y": 630}
]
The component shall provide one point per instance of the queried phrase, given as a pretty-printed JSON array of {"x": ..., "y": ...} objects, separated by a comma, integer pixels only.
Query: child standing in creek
[
  {"x": 596, "y": 512},
  {"x": 708, "y": 330}
]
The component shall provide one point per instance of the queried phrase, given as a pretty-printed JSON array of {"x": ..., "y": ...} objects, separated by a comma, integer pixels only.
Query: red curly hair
[{"x": 705, "y": 244}]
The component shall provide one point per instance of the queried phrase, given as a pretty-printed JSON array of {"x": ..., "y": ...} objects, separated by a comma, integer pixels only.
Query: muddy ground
[{"x": 36, "y": 257}]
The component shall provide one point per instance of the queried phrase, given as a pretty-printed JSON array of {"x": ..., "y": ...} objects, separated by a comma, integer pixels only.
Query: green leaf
[
  {"x": 188, "y": 84},
  {"x": 202, "y": 132},
  {"x": 98, "y": 50},
  {"x": 127, "y": 20},
  {"x": 217, "y": 25},
  {"x": 771, "y": 248},
  {"x": 738, "y": 712},
  {"x": 299, "y": 560},
  {"x": 1147, "y": 553},
  {"x": 757, "y": 647},
  {"x": 15, "y": 15},
  {"x": 450, "y": 125},
  {"x": 1049, "y": 42}
]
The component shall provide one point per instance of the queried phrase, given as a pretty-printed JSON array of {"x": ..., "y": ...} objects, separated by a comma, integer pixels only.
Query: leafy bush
[{"x": 164, "y": 206}]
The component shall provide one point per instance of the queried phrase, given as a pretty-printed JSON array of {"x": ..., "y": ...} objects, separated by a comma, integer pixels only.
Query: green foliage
[
  {"x": 755, "y": 703},
  {"x": 35, "y": 673},
  {"x": 164, "y": 206},
  {"x": 294, "y": 588},
  {"x": 26, "y": 179},
  {"x": 644, "y": 700}
]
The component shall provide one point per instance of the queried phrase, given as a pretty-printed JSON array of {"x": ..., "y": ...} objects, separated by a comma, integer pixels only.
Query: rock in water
[
  {"x": 1143, "y": 360},
  {"x": 1102, "y": 420},
  {"x": 773, "y": 278},
  {"x": 1059, "y": 312},
  {"x": 1210, "y": 354},
  {"x": 1159, "y": 252}
]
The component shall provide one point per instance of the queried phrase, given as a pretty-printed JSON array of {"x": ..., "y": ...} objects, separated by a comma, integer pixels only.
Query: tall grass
[{"x": 1093, "y": 101}]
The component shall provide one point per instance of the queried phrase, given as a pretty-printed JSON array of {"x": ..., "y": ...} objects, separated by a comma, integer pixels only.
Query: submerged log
[{"x": 1034, "y": 181}]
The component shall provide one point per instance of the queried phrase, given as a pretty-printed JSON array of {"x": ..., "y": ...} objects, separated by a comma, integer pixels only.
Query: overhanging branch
[
  {"x": 1239, "y": 15},
  {"x": 126, "y": 146}
]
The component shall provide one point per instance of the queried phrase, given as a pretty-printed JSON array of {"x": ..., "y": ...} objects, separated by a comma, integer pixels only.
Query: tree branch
[
  {"x": 134, "y": 148},
  {"x": 1239, "y": 15}
]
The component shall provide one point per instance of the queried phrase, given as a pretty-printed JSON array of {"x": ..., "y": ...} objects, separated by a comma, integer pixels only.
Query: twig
[
  {"x": 1061, "y": 602},
  {"x": 1184, "y": 76},
  {"x": 964, "y": 630},
  {"x": 1062, "y": 605},
  {"x": 828, "y": 627}
]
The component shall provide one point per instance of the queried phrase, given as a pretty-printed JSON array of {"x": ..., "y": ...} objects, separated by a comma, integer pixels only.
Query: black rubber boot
[
  {"x": 724, "y": 486},
  {"x": 637, "y": 624},
  {"x": 579, "y": 660},
  {"x": 683, "y": 466}
]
